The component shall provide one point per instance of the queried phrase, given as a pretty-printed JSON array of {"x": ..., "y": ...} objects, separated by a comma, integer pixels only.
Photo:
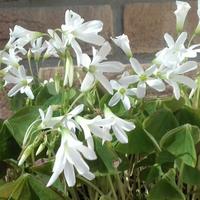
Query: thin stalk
[
  {"x": 91, "y": 185},
  {"x": 74, "y": 102},
  {"x": 120, "y": 186},
  {"x": 112, "y": 187}
]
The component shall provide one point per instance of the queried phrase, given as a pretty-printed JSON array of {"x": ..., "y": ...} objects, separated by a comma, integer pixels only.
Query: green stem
[
  {"x": 112, "y": 187},
  {"x": 120, "y": 186},
  {"x": 74, "y": 102},
  {"x": 91, "y": 185}
]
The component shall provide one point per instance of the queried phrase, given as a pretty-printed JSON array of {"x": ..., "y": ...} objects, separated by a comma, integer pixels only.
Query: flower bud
[
  {"x": 26, "y": 154},
  {"x": 181, "y": 13}
]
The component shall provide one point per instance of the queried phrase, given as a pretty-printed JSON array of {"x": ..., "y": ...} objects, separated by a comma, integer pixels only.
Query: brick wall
[{"x": 144, "y": 21}]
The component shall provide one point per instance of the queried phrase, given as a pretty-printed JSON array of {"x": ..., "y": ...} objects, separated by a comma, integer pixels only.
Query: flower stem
[
  {"x": 112, "y": 187},
  {"x": 91, "y": 185}
]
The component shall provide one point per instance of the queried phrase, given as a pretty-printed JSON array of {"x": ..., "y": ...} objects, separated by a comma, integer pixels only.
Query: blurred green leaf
[
  {"x": 20, "y": 121},
  {"x": 180, "y": 143},
  {"x": 188, "y": 115},
  {"x": 158, "y": 123},
  {"x": 27, "y": 187},
  {"x": 166, "y": 189},
  {"x": 138, "y": 142}
]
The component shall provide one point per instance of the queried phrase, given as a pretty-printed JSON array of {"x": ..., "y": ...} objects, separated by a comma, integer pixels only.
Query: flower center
[
  {"x": 122, "y": 91},
  {"x": 92, "y": 69},
  {"x": 143, "y": 77},
  {"x": 24, "y": 82}
]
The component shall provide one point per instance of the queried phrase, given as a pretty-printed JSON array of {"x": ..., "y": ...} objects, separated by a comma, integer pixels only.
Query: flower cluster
[{"x": 170, "y": 67}]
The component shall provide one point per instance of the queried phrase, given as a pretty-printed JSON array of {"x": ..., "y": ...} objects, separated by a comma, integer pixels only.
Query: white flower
[
  {"x": 75, "y": 27},
  {"x": 119, "y": 126},
  {"x": 48, "y": 121},
  {"x": 21, "y": 36},
  {"x": 181, "y": 13},
  {"x": 56, "y": 44},
  {"x": 37, "y": 48},
  {"x": 95, "y": 68},
  {"x": 122, "y": 41},
  {"x": 122, "y": 93},
  {"x": 11, "y": 58},
  {"x": 175, "y": 77},
  {"x": 69, "y": 156},
  {"x": 69, "y": 121},
  {"x": 175, "y": 52},
  {"x": 96, "y": 127},
  {"x": 143, "y": 78},
  {"x": 22, "y": 82}
]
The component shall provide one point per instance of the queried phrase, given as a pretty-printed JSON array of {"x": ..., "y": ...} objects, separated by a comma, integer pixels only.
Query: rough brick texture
[
  {"x": 146, "y": 23},
  {"x": 42, "y": 18}
]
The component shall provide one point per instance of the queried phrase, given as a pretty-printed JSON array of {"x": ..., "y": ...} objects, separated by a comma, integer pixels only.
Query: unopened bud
[{"x": 26, "y": 154}]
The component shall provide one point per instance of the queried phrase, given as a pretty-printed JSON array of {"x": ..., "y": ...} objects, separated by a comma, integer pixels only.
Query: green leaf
[
  {"x": 42, "y": 96},
  {"x": 138, "y": 142},
  {"x": 159, "y": 123},
  {"x": 7, "y": 144},
  {"x": 27, "y": 187},
  {"x": 166, "y": 189},
  {"x": 151, "y": 174},
  {"x": 106, "y": 153},
  {"x": 174, "y": 104},
  {"x": 190, "y": 175},
  {"x": 180, "y": 143},
  {"x": 20, "y": 121},
  {"x": 188, "y": 115}
]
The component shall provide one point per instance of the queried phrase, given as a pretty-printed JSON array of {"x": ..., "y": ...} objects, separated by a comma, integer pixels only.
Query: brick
[
  {"x": 42, "y": 18},
  {"x": 5, "y": 111},
  {"x": 146, "y": 23}
]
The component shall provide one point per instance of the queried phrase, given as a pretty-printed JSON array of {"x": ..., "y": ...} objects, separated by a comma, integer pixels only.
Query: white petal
[
  {"x": 14, "y": 90},
  {"x": 29, "y": 92},
  {"x": 87, "y": 152},
  {"x": 115, "y": 99},
  {"x": 76, "y": 159},
  {"x": 185, "y": 80},
  {"x": 150, "y": 70},
  {"x": 100, "y": 132},
  {"x": 169, "y": 40},
  {"x": 176, "y": 89},
  {"x": 141, "y": 90},
  {"x": 88, "y": 82},
  {"x": 77, "y": 49},
  {"x": 129, "y": 79},
  {"x": 110, "y": 66},
  {"x": 136, "y": 66},
  {"x": 93, "y": 26},
  {"x": 126, "y": 103},
  {"x": 104, "y": 81},
  {"x": 85, "y": 60},
  {"x": 88, "y": 175},
  {"x": 115, "y": 85},
  {"x": 156, "y": 84},
  {"x": 181, "y": 39},
  {"x": 186, "y": 67},
  {"x": 69, "y": 174},
  {"x": 131, "y": 91},
  {"x": 91, "y": 38},
  {"x": 77, "y": 110},
  {"x": 120, "y": 134}
]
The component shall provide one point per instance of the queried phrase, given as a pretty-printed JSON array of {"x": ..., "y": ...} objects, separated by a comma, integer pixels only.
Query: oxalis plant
[{"x": 82, "y": 135}]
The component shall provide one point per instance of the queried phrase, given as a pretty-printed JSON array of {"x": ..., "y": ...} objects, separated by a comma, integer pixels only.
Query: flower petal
[
  {"x": 156, "y": 84},
  {"x": 141, "y": 90},
  {"x": 88, "y": 82},
  {"x": 104, "y": 81},
  {"x": 69, "y": 174},
  {"x": 136, "y": 66},
  {"x": 115, "y": 99}
]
